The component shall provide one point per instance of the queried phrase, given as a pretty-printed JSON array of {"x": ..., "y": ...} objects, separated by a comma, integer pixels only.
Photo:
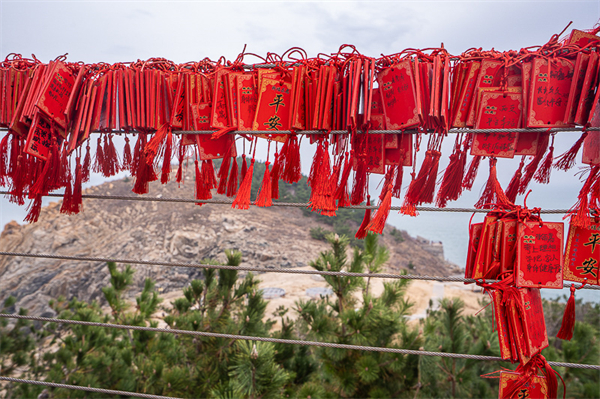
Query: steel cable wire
[
  {"x": 145, "y": 198},
  {"x": 260, "y": 269},
  {"x": 88, "y": 389},
  {"x": 287, "y": 341}
]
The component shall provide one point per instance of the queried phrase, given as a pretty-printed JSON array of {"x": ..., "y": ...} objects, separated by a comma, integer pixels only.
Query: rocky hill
[{"x": 270, "y": 238}]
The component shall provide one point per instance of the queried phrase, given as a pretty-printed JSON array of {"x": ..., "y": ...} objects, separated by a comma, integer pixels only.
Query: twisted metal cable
[
  {"x": 286, "y": 341},
  {"x": 280, "y": 204},
  {"x": 88, "y": 389},
  {"x": 260, "y": 269}
]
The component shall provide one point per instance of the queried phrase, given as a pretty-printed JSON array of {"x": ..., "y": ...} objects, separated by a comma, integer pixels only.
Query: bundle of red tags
[{"x": 524, "y": 253}]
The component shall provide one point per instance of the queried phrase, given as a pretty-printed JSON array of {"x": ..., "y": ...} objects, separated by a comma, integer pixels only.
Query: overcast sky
[{"x": 112, "y": 31}]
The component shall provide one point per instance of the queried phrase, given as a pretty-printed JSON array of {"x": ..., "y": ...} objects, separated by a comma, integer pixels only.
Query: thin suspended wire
[
  {"x": 260, "y": 269},
  {"x": 87, "y": 389},
  {"x": 286, "y": 341},
  {"x": 276, "y": 203}
]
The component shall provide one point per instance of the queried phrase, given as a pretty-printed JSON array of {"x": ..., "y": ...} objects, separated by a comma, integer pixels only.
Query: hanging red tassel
[
  {"x": 47, "y": 179},
  {"x": 341, "y": 192},
  {"x": 413, "y": 193},
  {"x": 232, "y": 184},
  {"x": 35, "y": 207},
  {"x": 532, "y": 166},
  {"x": 67, "y": 203},
  {"x": 378, "y": 222},
  {"x": 290, "y": 153},
  {"x": 126, "y": 165},
  {"x": 85, "y": 169},
  {"x": 359, "y": 185},
  {"x": 451, "y": 185},
  {"x": 542, "y": 175},
  {"x": 208, "y": 174},
  {"x": 111, "y": 158},
  {"x": 321, "y": 196},
  {"x": 362, "y": 230},
  {"x": 244, "y": 167},
  {"x": 137, "y": 154},
  {"x": 165, "y": 174},
  {"x": 388, "y": 180},
  {"x": 580, "y": 212},
  {"x": 202, "y": 190},
  {"x": 153, "y": 146},
  {"x": 20, "y": 175},
  {"x": 427, "y": 192},
  {"x": 99, "y": 158},
  {"x": 397, "y": 190},
  {"x": 568, "y": 321},
  {"x": 76, "y": 201},
  {"x": 224, "y": 171},
  {"x": 567, "y": 160},
  {"x": 469, "y": 178},
  {"x": 492, "y": 193},
  {"x": 242, "y": 199},
  {"x": 180, "y": 158},
  {"x": 64, "y": 172},
  {"x": 145, "y": 171},
  {"x": 513, "y": 187},
  {"x": 275, "y": 175},
  {"x": 4, "y": 156},
  {"x": 264, "y": 195}
]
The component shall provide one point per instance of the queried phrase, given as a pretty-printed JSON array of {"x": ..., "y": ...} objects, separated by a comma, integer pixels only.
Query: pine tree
[{"x": 371, "y": 320}]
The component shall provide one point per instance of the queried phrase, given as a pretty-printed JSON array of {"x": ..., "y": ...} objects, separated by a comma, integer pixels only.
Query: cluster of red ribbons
[
  {"x": 51, "y": 109},
  {"x": 515, "y": 246}
]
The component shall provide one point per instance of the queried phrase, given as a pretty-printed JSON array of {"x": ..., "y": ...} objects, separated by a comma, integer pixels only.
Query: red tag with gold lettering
[
  {"x": 399, "y": 98},
  {"x": 582, "y": 254},
  {"x": 39, "y": 138},
  {"x": 247, "y": 100},
  {"x": 535, "y": 387},
  {"x": 273, "y": 109},
  {"x": 539, "y": 255},
  {"x": 498, "y": 110},
  {"x": 550, "y": 86},
  {"x": 55, "y": 95},
  {"x": 475, "y": 231}
]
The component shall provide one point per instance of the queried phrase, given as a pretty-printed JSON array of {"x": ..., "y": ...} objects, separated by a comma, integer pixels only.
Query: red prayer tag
[
  {"x": 509, "y": 245},
  {"x": 209, "y": 148},
  {"x": 247, "y": 100},
  {"x": 398, "y": 93},
  {"x": 581, "y": 64},
  {"x": 536, "y": 386},
  {"x": 586, "y": 99},
  {"x": 475, "y": 231},
  {"x": 498, "y": 110},
  {"x": 403, "y": 152},
  {"x": 582, "y": 254},
  {"x": 534, "y": 325},
  {"x": 273, "y": 109},
  {"x": 527, "y": 143},
  {"x": 550, "y": 86},
  {"x": 539, "y": 255},
  {"x": 591, "y": 147},
  {"x": 582, "y": 39},
  {"x": 502, "y": 327},
  {"x": 374, "y": 154},
  {"x": 55, "y": 95},
  {"x": 219, "y": 117},
  {"x": 489, "y": 76},
  {"x": 484, "y": 250},
  {"x": 39, "y": 138}
]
